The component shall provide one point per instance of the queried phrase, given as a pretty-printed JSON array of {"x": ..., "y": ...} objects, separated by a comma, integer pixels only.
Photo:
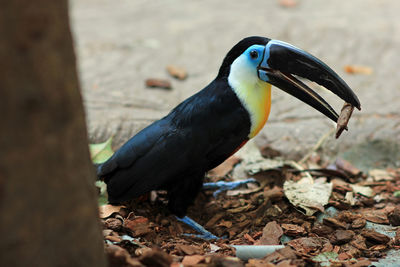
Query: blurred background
[{"x": 122, "y": 43}]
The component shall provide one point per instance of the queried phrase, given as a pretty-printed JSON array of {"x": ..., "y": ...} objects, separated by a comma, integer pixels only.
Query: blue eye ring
[{"x": 253, "y": 54}]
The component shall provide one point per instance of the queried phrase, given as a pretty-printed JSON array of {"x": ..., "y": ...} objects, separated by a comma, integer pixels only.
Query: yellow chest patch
[
  {"x": 257, "y": 100},
  {"x": 259, "y": 106}
]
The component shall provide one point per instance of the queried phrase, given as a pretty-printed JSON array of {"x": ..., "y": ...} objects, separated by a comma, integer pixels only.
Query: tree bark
[{"x": 48, "y": 208}]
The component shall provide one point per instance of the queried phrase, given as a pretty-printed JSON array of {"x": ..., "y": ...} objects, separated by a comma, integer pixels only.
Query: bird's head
[{"x": 257, "y": 60}]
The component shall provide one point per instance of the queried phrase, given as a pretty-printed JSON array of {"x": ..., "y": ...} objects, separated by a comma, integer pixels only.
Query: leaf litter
[{"x": 352, "y": 221}]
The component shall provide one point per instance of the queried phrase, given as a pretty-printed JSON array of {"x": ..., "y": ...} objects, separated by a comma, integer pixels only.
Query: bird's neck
[{"x": 255, "y": 96}]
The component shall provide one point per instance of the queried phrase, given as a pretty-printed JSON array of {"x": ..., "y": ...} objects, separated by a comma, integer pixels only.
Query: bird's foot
[
  {"x": 224, "y": 186},
  {"x": 204, "y": 234}
]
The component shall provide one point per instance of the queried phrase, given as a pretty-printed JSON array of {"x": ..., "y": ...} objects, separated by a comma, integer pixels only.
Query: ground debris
[
  {"x": 293, "y": 229},
  {"x": 272, "y": 232},
  {"x": 139, "y": 225},
  {"x": 375, "y": 237},
  {"x": 394, "y": 217},
  {"x": 177, "y": 72},
  {"x": 156, "y": 258},
  {"x": 334, "y": 223},
  {"x": 340, "y": 237},
  {"x": 158, "y": 83},
  {"x": 288, "y": 3},
  {"x": 358, "y": 69},
  {"x": 339, "y": 233},
  {"x": 117, "y": 256}
]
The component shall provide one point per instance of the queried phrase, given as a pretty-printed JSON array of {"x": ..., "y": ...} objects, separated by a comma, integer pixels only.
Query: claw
[
  {"x": 204, "y": 234},
  {"x": 224, "y": 186}
]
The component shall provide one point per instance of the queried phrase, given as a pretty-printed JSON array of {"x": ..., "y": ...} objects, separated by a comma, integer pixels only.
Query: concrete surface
[{"x": 121, "y": 43}]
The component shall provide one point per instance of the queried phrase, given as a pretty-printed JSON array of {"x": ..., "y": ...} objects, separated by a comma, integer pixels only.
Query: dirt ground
[
  {"x": 121, "y": 44},
  {"x": 357, "y": 227}
]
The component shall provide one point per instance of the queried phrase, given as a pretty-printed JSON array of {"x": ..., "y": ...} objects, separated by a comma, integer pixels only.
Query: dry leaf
[
  {"x": 189, "y": 249},
  {"x": 106, "y": 210},
  {"x": 288, "y": 3},
  {"x": 272, "y": 232},
  {"x": 374, "y": 236},
  {"x": 380, "y": 175},
  {"x": 293, "y": 229},
  {"x": 358, "y": 69},
  {"x": 192, "y": 260},
  {"x": 139, "y": 225},
  {"x": 311, "y": 197},
  {"x": 224, "y": 168},
  {"x": 159, "y": 83},
  {"x": 362, "y": 190},
  {"x": 177, "y": 72}
]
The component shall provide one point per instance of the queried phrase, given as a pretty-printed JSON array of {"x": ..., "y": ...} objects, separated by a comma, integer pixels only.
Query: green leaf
[
  {"x": 396, "y": 194},
  {"x": 101, "y": 152}
]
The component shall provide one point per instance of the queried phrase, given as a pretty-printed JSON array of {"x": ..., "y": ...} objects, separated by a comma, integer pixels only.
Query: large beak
[{"x": 281, "y": 61}]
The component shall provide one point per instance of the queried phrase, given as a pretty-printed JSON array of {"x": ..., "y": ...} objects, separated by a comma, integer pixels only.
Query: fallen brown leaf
[
  {"x": 107, "y": 210},
  {"x": 192, "y": 260},
  {"x": 224, "y": 168},
  {"x": 376, "y": 216},
  {"x": 177, "y": 72},
  {"x": 374, "y": 236},
  {"x": 358, "y": 69},
  {"x": 113, "y": 224},
  {"x": 340, "y": 237},
  {"x": 139, "y": 225},
  {"x": 288, "y": 3},
  {"x": 308, "y": 245},
  {"x": 158, "y": 83},
  {"x": 358, "y": 223},
  {"x": 272, "y": 232},
  {"x": 189, "y": 249},
  {"x": 334, "y": 223},
  {"x": 293, "y": 230}
]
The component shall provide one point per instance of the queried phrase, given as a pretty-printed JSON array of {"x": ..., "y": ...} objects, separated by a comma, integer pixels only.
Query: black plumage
[{"x": 175, "y": 152}]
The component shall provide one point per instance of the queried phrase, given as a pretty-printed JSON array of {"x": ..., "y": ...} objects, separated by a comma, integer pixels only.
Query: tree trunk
[{"x": 48, "y": 209}]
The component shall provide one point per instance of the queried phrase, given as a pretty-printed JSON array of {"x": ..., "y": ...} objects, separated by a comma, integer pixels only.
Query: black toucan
[{"x": 175, "y": 152}]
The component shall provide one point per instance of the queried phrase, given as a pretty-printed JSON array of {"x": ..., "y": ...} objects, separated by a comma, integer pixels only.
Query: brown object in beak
[{"x": 344, "y": 118}]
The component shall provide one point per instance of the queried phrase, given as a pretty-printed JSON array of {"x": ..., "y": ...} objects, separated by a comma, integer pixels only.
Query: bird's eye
[{"x": 253, "y": 54}]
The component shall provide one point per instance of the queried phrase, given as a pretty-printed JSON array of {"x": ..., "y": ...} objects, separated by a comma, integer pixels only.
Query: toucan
[{"x": 175, "y": 152}]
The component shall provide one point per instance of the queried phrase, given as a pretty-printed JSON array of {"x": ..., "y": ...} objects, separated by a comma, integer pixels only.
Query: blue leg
[
  {"x": 204, "y": 234},
  {"x": 223, "y": 186}
]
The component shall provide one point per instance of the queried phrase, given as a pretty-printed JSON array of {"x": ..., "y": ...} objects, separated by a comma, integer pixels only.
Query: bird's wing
[
  {"x": 150, "y": 160},
  {"x": 199, "y": 133},
  {"x": 133, "y": 149}
]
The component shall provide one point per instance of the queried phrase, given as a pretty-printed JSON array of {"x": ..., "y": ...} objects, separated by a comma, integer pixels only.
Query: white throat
[{"x": 254, "y": 93}]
